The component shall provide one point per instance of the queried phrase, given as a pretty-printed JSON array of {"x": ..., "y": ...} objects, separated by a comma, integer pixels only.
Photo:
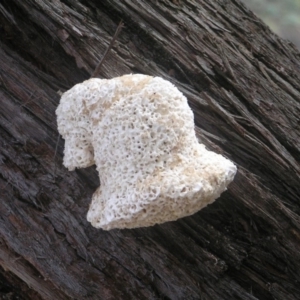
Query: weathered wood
[{"x": 243, "y": 83}]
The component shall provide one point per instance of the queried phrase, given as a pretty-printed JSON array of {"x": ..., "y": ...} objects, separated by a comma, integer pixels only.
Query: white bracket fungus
[{"x": 139, "y": 131}]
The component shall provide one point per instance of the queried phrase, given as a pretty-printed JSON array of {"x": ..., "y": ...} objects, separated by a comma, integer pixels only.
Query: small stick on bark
[
  {"x": 97, "y": 70},
  {"x": 56, "y": 146}
]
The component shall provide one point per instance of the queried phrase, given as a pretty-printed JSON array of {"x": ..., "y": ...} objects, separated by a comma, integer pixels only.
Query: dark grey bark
[{"x": 243, "y": 84}]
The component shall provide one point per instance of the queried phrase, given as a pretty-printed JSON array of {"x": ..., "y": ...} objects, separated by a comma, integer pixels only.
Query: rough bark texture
[{"x": 243, "y": 83}]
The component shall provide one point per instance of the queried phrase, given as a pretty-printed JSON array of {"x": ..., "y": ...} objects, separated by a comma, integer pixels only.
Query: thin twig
[
  {"x": 97, "y": 70},
  {"x": 56, "y": 146}
]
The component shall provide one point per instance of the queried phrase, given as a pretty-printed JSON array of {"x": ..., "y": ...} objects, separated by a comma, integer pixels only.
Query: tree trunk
[{"x": 243, "y": 84}]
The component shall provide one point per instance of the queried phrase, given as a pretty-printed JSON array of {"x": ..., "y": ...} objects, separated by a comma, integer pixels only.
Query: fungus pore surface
[{"x": 139, "y": 131}]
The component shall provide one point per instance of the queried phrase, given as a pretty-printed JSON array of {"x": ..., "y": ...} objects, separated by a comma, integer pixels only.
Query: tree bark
[{"x": 243, "y": 84}]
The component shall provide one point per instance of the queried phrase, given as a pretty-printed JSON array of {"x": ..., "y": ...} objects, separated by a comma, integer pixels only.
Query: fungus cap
[{"x": 139, "y": 131}]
